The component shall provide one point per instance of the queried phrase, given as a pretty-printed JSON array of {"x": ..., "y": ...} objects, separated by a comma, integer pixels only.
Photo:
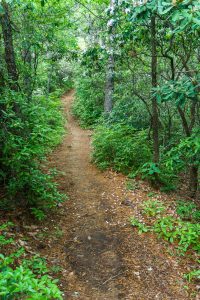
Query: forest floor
[
  {"x": 103, "y": 257},
  {"x": 90, "y": 243}
]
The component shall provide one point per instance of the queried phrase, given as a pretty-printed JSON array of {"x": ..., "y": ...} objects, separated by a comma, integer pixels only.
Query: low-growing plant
[
  {"x": 22, "y": 283},
  {"x": 153, "y": 207},
  {"x": 58, "y": 232},
  {"x": 22, "y": 279},
  {"x": 188, "y": 210},
  {"x": 131, "y": 185},
  {"x": 56, "y": 269},
  {"x": 150, "y": 171},
  {"x": 4, "y": 240},
  {"x": 141, "y": 226},
  {"x": 38, "y": 213},
  {"x": 37, "y": 264},
  {"x": 175, "y": 230},
  {"x": 151, "y": 194},
  {"x": 193, "y": 275}
]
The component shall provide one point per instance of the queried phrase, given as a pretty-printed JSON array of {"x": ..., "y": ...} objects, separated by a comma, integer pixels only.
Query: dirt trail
[{"x": 101, "y": 255}]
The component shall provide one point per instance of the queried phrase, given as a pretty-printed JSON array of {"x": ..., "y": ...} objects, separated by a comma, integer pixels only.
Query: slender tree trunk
[
  {"x": 1, "y": 81},
  {"x": 28, "y": 70},
  {"x": 109, "y": 88},
  {"x": 193, "y": 180},
  {"x": 108, "y": 103},
  {"x": 193, "y": 170},
  {"x": 9, "y": 49},
  {"x": 155, "y": 118},
  {"x": 2, "y": 105},
  {"x": 27, "y": 56}
]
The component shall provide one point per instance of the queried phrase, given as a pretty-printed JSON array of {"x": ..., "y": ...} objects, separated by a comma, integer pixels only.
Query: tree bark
[
  {"x": 9, "y": 49},
  {"x": 108, "y": 103},
  {"x": 193, "y": 171},
  {"x": 1, "y": 81},
  {"x": 109, "y": 89},
  {"x": 193, "y": 180},
  {"x": 28, "y": 70},
  {"x": 155, "y": 118}
]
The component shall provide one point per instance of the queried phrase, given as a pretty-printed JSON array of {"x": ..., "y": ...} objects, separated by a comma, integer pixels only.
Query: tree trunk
[
  {"x": 108, "y": 103},
  {"x": 27, "y": 55},
  {"x": 109, "y": 89},
  {"x": 9, "y": 49},
  {"x": 1, "y": 81},
  {"x": 155, "y": 118},
  {"x": 28, "y": 86},
  {"x": 193, "y": 171},
  {"x": 193, "y": 181}
]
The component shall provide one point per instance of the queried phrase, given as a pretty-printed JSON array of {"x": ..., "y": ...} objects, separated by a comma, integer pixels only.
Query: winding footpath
[{"x": 102, "y": 257}]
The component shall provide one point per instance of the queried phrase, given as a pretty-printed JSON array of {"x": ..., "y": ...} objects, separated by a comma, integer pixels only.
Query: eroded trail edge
[{"x": 101, "y": 256}]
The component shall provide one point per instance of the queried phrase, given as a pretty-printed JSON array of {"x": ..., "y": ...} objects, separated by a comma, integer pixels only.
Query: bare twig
[{"x": 113, "y": 277}]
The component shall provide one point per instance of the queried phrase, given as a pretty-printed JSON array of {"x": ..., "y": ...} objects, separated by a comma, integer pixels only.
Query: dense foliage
[
  {"x": 121, "y": 147},
  {"x": 146, "y": 55},
  {"x": 34, "y": 72},
  {"x": 26, "y": 139},
  {"x": 88, "y": 106},
  {"x": 135, "y": 67}
]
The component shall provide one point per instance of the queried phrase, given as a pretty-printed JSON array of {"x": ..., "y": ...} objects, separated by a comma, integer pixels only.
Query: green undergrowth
[
  {"x": 181, "y": 229},
  {"x": 120, "y": 147},
  {"x": 21, "y": 277},
  {"x": 127, "y": 150},
  {"x": 32, "y": 129},
  {"x": 193, "y": 275},
  {"x": 184, "y": 233},
  {"x": 188, "y": 210},
  {"x": 88, "y": 104}
]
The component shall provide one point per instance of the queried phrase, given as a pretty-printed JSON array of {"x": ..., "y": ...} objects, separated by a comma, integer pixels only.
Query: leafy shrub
[
  {"x": 88, "y": 104},
  {"x": 128, "y": 110},
  {"x": 188, "y": 210},
  {"x": 21, "y": 282},
  {"x": 26, "y": 136},
  {"x": 27, "y": 279},
  {"x": 158, "y": 175},
  {"x": 120, "y": 147},
  {"x": 174, "y": 161},
  {"x": 185, "y": 233},
  {"x": 150, "y": 171},
  {"x": 186, "y": 153},
  {"x": 178, "y": 91}
]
